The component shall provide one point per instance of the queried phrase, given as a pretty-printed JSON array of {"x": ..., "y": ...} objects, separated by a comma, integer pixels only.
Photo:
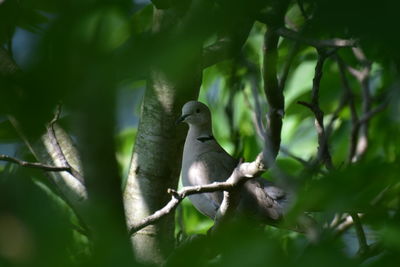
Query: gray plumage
[{"x": 205, "y": 161}]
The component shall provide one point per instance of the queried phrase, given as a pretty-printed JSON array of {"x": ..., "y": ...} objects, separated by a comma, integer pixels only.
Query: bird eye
[{"x": 198, "y": 110}]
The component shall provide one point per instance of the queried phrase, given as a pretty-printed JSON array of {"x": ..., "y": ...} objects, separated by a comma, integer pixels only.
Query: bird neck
[{"x": 196, "y": 131}]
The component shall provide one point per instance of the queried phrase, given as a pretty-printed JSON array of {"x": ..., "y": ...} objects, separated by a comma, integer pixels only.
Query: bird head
[{"x": 195, "y": 113}]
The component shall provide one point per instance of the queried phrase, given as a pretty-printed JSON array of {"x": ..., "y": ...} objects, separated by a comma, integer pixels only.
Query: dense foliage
[{"x": 92, "y": 60}]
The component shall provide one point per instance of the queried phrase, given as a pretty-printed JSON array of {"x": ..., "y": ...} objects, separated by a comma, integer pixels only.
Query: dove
[{"x": 204, "y": 161}]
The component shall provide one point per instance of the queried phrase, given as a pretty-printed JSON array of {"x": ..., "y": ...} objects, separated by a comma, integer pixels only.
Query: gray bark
[
  {"x": 156, "y": 160},
  {"x": 71, "y": 187},
  {"x": 157, "y": 154}
]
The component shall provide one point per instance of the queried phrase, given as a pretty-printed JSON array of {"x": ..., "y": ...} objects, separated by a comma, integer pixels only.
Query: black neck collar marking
[{"x": 205, "y": 138}]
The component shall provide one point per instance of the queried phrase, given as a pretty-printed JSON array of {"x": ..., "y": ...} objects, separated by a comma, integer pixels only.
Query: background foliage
[{"x": 75, "y": 52}]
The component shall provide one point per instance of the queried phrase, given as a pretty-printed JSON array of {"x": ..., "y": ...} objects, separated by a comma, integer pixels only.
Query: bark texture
[
  {"x": 156, "y": 162},
  {"x": 56, "y": 147},
  {"x": 156, "y": 159},
  {"x": 273, "y": 92}
]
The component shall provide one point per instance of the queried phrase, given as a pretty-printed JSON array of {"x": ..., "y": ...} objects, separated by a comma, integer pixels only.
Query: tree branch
[
  {"x": 287, "y": 64},
  {"x": 274, "y": 96},
  {"x": 286, "y": 151},
  {"x": 51, "y": 133},
  {"x": 331, "y": 43},
  {"x": 362, "y": 241},
  {"x": 358, "y": 141},
  {"x": 335, "y": 115},
  {"x": 272, "y": 89},
  {"x": 350, "y": 100},
  {"x": 256, "y": 115},
  {"x": 323, "y": 154},
  {"x": 366, "y": 100},
  {"x": 34, "y": 165},
  {"x": 367, "y": 116},
  {"x": 253, "y": 74},
  {"x": 341, "y": 225},
  {"x": 242, "y": 173},
  {"x": 69, "y": 187},
  {"x": 9, "y": 67}
]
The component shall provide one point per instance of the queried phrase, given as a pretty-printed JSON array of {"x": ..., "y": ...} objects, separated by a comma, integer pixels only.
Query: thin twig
[
  {"x": 359, "y": 54},
  {"x": 258, "y": 113},
  {"x": 234, "y": 84},
  {"x": 336, "y": 42},
  {"x": 359, "y": 133},
  {"x": 242, "y": 173},
  {"x": 367, "y": 116},
  {"x": 254, "y": 116},
  {"x": 253, "y": 76},
  {"x": 335, "y": 115},
  {"x": 21, "y": 135},
  {"x": 34, "y": 165},
  {"x": 335, "y": 221},
  {"x": 286, "y": 151},
  {"x": 351, "y": 103},
  {"x": 362, "y": 241},
  {"x": 9, "y": 67},
  {"x": 359, "y": 144},
  {"x": 366, "y": 100},
  {"x": 342, "y": 225},
  {"x": 323, "y": 154}
]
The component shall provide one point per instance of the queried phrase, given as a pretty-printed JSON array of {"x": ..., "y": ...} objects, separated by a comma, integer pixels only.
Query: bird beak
[{"x": 182, "y": 118}]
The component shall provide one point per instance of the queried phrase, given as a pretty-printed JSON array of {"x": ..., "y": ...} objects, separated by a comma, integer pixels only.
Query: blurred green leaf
[
  {"x": 354, "y": 188},
  {"x": 141, "y": 20},
  {"x": 7, "y": 132},
  {"x": 104, "y": 28},
  {"x": 124, "y": 148},
  {"x": 85, "y": 47}
]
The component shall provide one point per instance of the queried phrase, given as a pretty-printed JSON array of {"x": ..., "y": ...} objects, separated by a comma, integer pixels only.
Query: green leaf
[
  {"x": 105, "y": 29},
  {"x": 300, "y": 81},
  {"x": 7, "y": 132},
  {"x": 124, "y": 147},
  {"x": 353, "y": 188},
  {"x": 141, "y": 21}
]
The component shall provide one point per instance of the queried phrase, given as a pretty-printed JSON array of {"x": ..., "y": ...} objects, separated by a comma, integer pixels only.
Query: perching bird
[{"x": 205, "y": 161}]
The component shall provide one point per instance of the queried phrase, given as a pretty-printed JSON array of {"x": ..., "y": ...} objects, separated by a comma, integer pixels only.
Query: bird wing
[
  {"x": 259, "y": 197},
  {"x": 218, "y": 165},
  {"x": 262, "y": 199},
  {"x": 271, "y": 189},
  {"x": 213, "y": 166}
]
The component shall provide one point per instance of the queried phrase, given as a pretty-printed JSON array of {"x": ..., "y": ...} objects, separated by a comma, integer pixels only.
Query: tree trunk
[{"x": 156, "y": 159}]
